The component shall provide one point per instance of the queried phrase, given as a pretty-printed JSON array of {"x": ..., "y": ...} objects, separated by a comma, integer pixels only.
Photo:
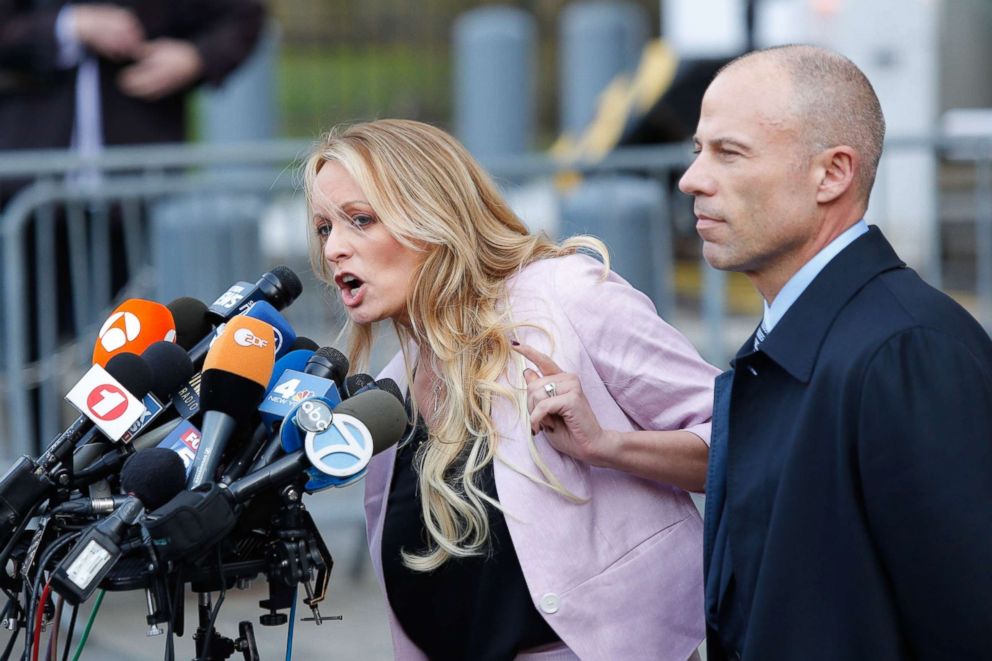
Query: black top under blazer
[{"x": 849, "y": 501}]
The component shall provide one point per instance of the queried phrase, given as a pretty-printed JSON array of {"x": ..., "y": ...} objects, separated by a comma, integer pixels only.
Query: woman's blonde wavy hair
[{"x": 434, "y": 197}]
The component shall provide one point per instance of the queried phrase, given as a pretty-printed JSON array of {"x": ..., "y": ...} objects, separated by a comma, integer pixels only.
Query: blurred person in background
[
  {"x": 849, "y": 501},
  {"x": 84, "y": 75},
  {"x": 489, "y": 539}
]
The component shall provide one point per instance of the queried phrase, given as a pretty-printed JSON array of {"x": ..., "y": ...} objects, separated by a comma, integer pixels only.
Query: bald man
[{"x": 849, "y": 492}]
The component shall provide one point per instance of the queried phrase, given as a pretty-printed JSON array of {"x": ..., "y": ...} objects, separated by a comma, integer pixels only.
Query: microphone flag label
[
  {"x": 292, "y": 388},
  {"x": 183, "y": 440},
  {"x": 102, "y": 399},
  {"x": 152, "y": 408},
  {"x": 233, "y": 299}
]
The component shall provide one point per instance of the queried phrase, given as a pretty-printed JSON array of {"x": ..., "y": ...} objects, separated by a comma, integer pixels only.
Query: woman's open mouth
[{"x": 352, "y": 289}]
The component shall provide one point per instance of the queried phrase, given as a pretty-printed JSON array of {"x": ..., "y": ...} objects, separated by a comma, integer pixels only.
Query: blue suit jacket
[{"x": 852, "y": 475}]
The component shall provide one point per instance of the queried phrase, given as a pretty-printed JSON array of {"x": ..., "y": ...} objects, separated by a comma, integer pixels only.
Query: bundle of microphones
[{"x": 200, "y": 430}]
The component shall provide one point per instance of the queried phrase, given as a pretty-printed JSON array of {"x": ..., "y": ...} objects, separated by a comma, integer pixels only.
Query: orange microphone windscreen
[
  {"x": 134, "y": 326},
  {"x": 246, "y": 347}
]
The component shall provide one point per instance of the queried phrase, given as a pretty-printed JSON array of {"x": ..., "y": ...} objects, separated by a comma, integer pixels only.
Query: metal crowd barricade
[{"x": 78, "y": 194}]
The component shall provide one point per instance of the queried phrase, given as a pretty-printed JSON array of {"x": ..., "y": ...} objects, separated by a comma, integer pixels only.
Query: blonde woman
[{"x": 538, "y": 507}]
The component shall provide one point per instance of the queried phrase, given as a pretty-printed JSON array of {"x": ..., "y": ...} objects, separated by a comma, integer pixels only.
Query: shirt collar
[
  {"x": 798, "y": 283},
  {"x": 795, "y": 346}
]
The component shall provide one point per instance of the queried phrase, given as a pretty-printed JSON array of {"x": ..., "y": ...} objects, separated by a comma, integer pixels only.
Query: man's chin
[{"x": 717, "y": 257}]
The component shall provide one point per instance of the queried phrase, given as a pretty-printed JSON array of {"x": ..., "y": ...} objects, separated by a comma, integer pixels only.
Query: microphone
[
  {"x": 298, "y": 375},
  {"x": 328, "y": 363},
  {"x": 355, "y": 383},
  {"x": 152, "y": 477},
  {"x": 171, "y": 368},
  {"x": 234, "y": 377},
  {"x": 324, "y": 368},
  {"x": 285, "y": 336},
  {"x": 339, "y": 443},
  {"x": 304, "y": 343},
  {"x": 280, "y": 287},
  {"x": 390, "y": 386},
  {"x": 108, "y": 399},
  {"x": 192, "y": 325},
  {"x": 132, "y": 327},
  {"x": 272, "y": 410},
  {"x": 195, "y": 520}
]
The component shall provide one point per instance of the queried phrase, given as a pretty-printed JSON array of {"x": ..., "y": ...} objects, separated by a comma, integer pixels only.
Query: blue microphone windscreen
[
  {"x": 285, "y": 335},
  {"x": 294, "y": 360}
]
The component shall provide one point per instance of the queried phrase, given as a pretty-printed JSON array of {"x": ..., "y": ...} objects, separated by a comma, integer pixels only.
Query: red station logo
[{"x": 107, "y": 402}]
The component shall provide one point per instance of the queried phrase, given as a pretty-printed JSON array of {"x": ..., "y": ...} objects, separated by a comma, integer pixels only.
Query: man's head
[{"x": 788, "y": 144}]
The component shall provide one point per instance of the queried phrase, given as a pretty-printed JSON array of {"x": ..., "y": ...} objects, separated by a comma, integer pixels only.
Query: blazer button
[{"x": 549, "y": 603}]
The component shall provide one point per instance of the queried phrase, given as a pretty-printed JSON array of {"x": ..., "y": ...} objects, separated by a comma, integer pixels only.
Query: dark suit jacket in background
[
  {"x": 37, "y": 98},
  {"x": 852, "y": 465}
]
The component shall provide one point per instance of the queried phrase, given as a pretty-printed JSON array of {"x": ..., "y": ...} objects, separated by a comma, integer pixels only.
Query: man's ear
[{"x": 837, "y": 166}]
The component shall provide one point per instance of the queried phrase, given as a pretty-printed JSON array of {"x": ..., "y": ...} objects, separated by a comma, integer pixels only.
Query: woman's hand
[
  {"x": 675, "y": 457},
  {"x": 559, "y": 408}
]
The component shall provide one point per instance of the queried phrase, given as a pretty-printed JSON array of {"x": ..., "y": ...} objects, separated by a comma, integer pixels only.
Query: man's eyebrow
[
  {"x": 723, "y": 142},
  {"x": 733, "y": 143}
]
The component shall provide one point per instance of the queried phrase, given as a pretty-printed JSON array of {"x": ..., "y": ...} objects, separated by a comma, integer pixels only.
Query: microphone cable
[
  {"x": 39, "y": 614},
  {"x": 36, "y": 586},
  {"x": 89, "y": 626},
  {"x": 72, "y": 630},
  {"x": 292, "y": 624}
]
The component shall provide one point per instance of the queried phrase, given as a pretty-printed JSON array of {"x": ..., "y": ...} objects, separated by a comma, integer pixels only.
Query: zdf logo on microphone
[{"x": 246, "y": 338}]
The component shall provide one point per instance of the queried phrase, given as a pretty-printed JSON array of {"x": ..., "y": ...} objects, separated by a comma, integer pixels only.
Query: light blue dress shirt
[{"x": 798, "y": 283}]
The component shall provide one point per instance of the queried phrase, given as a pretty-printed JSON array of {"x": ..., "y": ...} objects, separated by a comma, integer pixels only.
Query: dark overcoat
[{"x": 849, "y": 499}]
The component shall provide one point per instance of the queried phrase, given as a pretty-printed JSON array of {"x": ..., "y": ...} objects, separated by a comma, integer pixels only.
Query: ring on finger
[{"x": 551, "y": 389}]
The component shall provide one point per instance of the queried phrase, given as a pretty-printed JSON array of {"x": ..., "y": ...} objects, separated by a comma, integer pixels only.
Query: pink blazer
[{"x": 619, "y": 576}]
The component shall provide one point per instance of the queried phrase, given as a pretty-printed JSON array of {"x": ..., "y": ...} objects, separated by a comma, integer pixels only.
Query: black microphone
[
  {"x": 328, "y": 363},
  {"x": 304, "y": 343},
  {"x": 152, "y": 479},
  {"x": 390, "y": 386},
  {"x": 152, "y": 476},
  {"x": 133, "y": 373},
  {"x": 355, "y": 383},
  {"x": 279, "y": 287},
  {"x": 190, "y": 317}
]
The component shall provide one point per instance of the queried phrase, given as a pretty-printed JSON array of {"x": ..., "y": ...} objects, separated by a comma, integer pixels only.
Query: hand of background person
[
  {"x": 162, "y": 66},
  {"x": 566, "y": 418},
  {"x": 108, "y": 30}
]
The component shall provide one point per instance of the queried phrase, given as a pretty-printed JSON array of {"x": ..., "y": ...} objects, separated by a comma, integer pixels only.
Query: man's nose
[{"x": 695, "y": 181}]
